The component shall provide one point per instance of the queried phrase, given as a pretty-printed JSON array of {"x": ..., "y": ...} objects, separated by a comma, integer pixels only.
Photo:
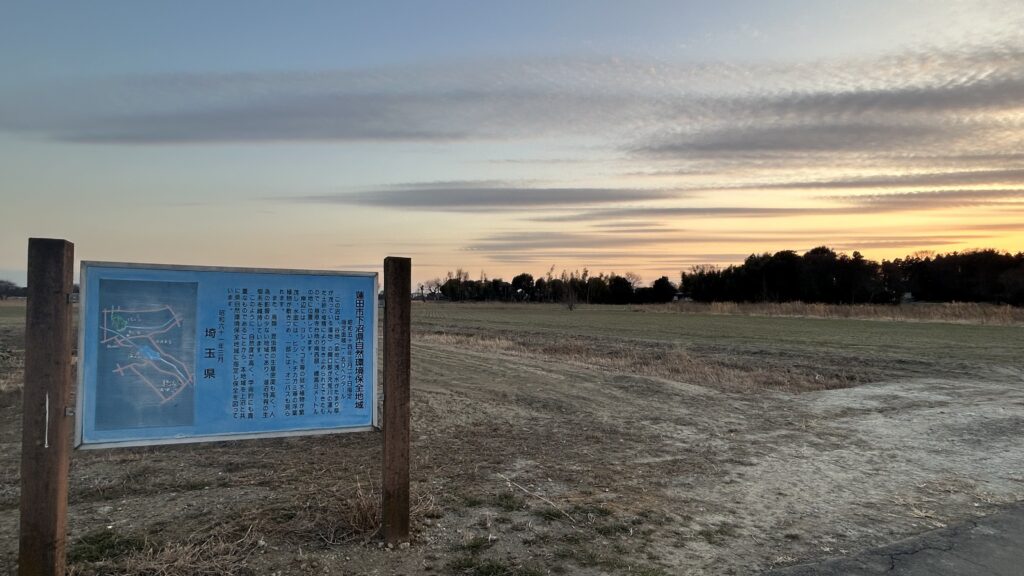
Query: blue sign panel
[{"x": 173, "y": 354}]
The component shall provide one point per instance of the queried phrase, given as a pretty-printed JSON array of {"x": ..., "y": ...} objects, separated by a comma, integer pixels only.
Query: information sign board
[{"x": 174, "y": 354}]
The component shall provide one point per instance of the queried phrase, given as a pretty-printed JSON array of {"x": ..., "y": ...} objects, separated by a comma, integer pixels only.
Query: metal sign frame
[{"x": 371, "y": 345}]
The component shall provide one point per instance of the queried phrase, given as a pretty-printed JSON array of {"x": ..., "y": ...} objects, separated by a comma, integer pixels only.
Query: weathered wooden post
[
  {"x": 397, "y": 304},
  {"x": 46, "y": 422}
]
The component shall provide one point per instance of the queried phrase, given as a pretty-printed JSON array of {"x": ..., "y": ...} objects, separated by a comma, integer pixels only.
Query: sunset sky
[{"x": 507, "y": 137}]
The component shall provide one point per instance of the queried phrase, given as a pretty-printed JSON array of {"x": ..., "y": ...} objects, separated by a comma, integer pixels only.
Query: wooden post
[
  {"x": 46, "y": 427},
  {"x": 395, "y": 513}
]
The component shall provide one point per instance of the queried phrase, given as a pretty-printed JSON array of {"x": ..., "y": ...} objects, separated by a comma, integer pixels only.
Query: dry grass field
[
  {"x": 962, "y": 312},
  {"x": 599, "y": 441}
]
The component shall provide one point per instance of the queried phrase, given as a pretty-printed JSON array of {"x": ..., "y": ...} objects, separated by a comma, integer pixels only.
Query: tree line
[
  {"x": 823, "y": 275},
  {"x": 818, "y": 275},
  {"x": 569, "y": 287},
  {"x": 9, "y": 289}
]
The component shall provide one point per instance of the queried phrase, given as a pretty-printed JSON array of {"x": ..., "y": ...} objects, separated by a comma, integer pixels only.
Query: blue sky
[{"x": 640, "y": 136}]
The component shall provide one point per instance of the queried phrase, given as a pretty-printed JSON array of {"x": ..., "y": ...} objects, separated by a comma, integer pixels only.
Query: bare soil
[{"x": 599, "y": 441}]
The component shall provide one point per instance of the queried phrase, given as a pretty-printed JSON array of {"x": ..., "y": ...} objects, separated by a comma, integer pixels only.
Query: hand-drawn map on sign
[
  {"x": 146, "y": 356},
  {"x": 188, "y": 354}
]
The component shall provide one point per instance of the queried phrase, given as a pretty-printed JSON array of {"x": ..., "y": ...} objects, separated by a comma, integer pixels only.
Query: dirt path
[
  {"x": 741, "y": 483},
  {"x": 989, "y": 546}
]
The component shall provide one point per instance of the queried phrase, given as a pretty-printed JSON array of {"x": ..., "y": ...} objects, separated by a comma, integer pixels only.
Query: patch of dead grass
[
  {"x": 209, "y": 552},
  {"x": 956, "y": 312},
  {"x": 331, "y": 514},
  {"x": 12, "y": 370},
  {"x": 673, "y": 363}
]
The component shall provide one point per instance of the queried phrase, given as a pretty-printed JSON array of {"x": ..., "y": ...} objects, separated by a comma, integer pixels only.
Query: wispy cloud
[
  {"x": 532, "y": 241},
  {"x": 840, "y": 205},
  {"x": 931, "y": 199},
  {"x": 963, "y": 102},
  {"x": 647, "y": 106},
  {"x": 439, "y": 104},
  {"x": 483, "y": 195},
  {"x": 684, "y": 247},
  {"x": 635, "y": 230},
  {"x": 971, "y": 91},
  {"x": 376, "y": 117},
  {"x": 540, "y": 161},
  {"x": 671, "y": 212},
  {"x": 1014, "y": 176},
  {"x": 614, "y": 259},
  {"x": 827, "y": 136},
  {"x": 909, "y": 242},
  {"x": 995, "y": 226},
  {"x": 546, "y": 241}
]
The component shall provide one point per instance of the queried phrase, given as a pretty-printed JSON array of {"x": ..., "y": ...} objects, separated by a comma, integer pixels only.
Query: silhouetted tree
[
  {"x": 597, "y": 289},
  {"x": 662, "y": 290},
  {"x": 8, "y": 289},
  {"x": 620, "y": 290},
  {"x": 522, "y": 285}
]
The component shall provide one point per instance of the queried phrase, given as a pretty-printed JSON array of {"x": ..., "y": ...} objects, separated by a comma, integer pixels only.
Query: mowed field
[{"x": 597, "y": 441}]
